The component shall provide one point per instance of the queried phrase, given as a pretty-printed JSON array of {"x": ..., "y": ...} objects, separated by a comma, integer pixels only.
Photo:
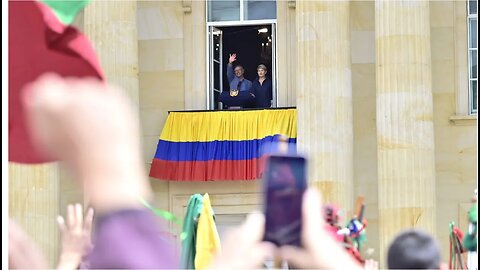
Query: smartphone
[{"x": 284, "y": 185}]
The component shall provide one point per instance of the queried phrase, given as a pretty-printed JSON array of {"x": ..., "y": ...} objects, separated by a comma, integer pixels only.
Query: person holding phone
[
  {"x": 243, "y": 247},
  {"x": 290, "y": 228},
  {"x": 284, "y": 185}
]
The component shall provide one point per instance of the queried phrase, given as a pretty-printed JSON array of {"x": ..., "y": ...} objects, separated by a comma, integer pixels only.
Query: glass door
[
  {"x": 215, "y": 67},
  {"x": 274, "y": 66}
]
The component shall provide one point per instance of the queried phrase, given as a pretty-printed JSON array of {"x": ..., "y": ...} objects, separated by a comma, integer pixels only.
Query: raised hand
[
  {"x": 93, "y": 128},
  {"x": 243, "y": 247},
  {"x": 320, "y": 250},
  {"x": 76, "y": 236},
  {"x": 371, "y": 265},
  {"x": 232, "y": 58}
]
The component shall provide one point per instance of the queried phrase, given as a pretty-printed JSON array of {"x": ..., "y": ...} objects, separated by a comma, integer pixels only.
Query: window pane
[
  {"x": 216, "y": 97},
  {"x": 216, "y": 46},
  {"x": 473, "y": 33},
  {"x": 216, "y": 75},
  {"x": 260, "y": 9},
  {"x": 473, "y": 89},
  {"x": 225, "y": 10},
  {"x": 473, "y": 64},
  {"x": 472, "y": 7}
]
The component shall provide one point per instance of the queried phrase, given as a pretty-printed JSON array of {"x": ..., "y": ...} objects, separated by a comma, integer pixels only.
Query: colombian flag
[{"x": 219, "y": 145}]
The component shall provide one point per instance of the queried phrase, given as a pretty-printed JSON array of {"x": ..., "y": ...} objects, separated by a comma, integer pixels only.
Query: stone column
[
  {"x": 324, "y": 97},
  {"x": 286, "y": 47},
  {"x": 112, "y": 28},
  {"x": 194, "y": 43},
  {"x": 405, "y": 140},
  {"x": 33, "y": 203}
]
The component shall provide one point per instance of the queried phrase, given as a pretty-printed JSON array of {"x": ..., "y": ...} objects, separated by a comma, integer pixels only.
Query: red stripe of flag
[{"x": 212, "y": 170}]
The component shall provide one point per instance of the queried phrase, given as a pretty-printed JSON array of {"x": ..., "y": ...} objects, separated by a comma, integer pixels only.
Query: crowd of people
[{"x": 73, "y": 120}]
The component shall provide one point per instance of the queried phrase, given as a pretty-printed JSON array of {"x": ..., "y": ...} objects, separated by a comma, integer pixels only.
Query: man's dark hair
[
  {"x": 414, "y": 249},
  {"x": 238, "y": 66}
]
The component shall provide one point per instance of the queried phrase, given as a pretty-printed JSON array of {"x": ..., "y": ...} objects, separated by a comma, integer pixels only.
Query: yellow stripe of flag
[{"x": 229, "y": 125}]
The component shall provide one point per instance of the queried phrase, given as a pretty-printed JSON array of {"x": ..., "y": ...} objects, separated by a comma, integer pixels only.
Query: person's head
[
  {"x": 414, "y": 249},
  {"x": 261, "y": 70},
  {"x": 239, "y": 71},
  {"x": 330, "y": 214}
]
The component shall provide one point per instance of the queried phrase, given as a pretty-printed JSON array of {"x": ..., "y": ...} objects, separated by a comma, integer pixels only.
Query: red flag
[{"x": 39, "y": 43}]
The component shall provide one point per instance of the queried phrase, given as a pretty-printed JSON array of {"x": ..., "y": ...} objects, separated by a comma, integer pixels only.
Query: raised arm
[
  {"x": 230, "y": 74},
  {"x": 72, "y": 120},
  {"x": 93, "y": 128}
]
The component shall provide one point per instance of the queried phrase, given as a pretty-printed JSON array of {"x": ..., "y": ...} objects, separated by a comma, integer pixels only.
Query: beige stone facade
[{"x": 157, "y": 51}]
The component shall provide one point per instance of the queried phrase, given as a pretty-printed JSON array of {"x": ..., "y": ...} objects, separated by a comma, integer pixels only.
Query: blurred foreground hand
[
  {"x": 23, "y": 253},
  {"x": 243, "y": 247},
  {"x": 93, "y": 128},
  {"x": 320, "y": 250}
]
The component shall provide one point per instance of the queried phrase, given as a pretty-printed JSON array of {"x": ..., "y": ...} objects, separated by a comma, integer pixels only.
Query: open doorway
[{"x": 253, "y": 44}]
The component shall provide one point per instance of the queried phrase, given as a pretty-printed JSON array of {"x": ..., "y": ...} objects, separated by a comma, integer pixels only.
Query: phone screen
[{"x": 284, "y": 185}]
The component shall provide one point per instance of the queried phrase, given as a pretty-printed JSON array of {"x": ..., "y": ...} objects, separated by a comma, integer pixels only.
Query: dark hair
[
  {"x": 238, "y": 66},
  {"x": 414, "y": 249}
]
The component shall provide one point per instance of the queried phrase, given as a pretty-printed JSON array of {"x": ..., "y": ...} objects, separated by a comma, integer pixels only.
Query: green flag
[{"x": 66, "y": 10}]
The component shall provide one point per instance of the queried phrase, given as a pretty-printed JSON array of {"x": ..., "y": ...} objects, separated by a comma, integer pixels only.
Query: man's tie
[{"x": 239, "y": 85}]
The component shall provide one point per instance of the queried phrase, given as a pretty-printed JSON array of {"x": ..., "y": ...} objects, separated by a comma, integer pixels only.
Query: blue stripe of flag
[{"x": 216, "y": 150}]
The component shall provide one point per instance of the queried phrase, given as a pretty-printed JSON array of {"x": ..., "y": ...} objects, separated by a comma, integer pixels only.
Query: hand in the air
[{"x": 232, "y": 58}]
